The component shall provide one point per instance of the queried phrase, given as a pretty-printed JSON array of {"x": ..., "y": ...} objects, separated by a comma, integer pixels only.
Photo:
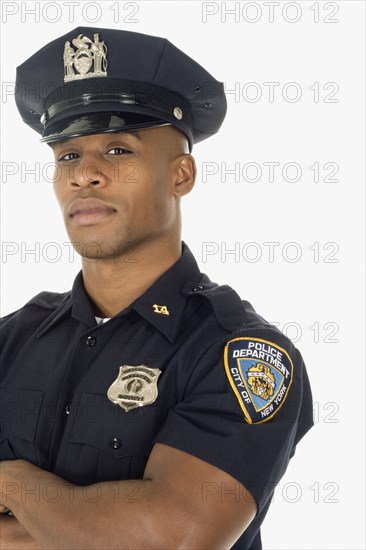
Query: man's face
[{"x": 118, "y": 190}]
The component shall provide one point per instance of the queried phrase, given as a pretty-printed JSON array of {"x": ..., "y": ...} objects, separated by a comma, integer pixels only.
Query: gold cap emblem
[
  {"x": 134, "y": 387},
  {"x": 88, "y": 60}
]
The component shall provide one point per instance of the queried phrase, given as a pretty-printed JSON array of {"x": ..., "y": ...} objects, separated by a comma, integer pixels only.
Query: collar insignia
[
  {"x": 161, "y": 309},
  {"x": 135, "y": 386},
  {"x": 88, "y": 60}
]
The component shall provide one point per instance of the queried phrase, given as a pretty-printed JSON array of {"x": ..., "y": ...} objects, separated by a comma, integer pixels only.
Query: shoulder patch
[{"x": 260, "y": 374}]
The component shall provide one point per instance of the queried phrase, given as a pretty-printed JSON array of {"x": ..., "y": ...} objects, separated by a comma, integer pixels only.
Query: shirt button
[
  {"x": 67, "y": 409},
  {"x": 197, "y": 288},
  {"x": 91, "y": 341},
  {"x": 116, "y": 443}
]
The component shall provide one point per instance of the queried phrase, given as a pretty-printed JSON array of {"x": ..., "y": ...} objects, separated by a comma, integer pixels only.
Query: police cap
[{"x": 93, "y": 80}]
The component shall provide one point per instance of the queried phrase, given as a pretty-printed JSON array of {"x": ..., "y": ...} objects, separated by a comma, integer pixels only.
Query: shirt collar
[
  {"x": 161, "y": 305},
  {"x": 76, "y": 303}
]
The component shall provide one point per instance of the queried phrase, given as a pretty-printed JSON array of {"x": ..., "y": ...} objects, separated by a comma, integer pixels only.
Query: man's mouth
[{"x": 89, "y": 211}]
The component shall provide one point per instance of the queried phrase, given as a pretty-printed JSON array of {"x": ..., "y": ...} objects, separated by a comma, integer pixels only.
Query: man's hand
[{"x": 13, "y": 536}]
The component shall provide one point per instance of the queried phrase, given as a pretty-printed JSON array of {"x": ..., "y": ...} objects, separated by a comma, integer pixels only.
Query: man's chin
[{"x": 109, "y": 252}]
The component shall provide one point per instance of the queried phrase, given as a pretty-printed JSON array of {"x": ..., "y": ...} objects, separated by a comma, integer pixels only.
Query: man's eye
[
  {"x": 118, "y": 151},
  {"x": 69, "y": 156}
]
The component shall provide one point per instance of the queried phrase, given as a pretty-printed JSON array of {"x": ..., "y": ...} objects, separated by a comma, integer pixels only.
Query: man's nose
[{"x": 87, "y": 172}]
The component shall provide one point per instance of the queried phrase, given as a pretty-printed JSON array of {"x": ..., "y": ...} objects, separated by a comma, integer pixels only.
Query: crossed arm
[{"x": 182, "y": 502}]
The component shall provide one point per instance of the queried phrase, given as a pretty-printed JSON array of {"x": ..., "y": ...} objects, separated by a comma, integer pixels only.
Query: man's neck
[{"x": 113, "y": 284}]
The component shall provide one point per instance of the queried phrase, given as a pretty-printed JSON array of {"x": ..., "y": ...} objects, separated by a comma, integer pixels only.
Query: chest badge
[{"x": 135, "y": 386}]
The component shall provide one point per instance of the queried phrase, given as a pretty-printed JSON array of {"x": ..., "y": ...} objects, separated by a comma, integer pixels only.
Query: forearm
[
  {"x": 13, "y": 536},
  {"x": 61, "y": 515}
]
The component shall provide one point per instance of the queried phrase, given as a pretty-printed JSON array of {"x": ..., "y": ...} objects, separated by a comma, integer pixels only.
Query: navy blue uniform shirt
[{"x": 233, "y": 390}]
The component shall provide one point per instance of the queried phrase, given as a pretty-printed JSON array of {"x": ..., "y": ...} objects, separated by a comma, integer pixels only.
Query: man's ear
[{"x": 185, "y": 174}]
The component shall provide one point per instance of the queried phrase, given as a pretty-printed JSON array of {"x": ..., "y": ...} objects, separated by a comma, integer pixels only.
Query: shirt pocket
[
  {"x": 19, "y": 414},
  {"x": 106, "y": 443}
]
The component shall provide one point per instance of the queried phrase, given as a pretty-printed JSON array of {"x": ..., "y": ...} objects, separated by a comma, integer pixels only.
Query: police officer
[{"x": 149, "y": 407}]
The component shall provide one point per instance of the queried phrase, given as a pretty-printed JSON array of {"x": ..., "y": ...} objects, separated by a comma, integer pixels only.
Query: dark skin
[
  {"x": 143, "y": 175},
  {"x": 182, "y": 501}
]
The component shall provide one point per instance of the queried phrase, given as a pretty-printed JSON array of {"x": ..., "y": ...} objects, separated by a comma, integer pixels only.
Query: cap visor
[{"x": 97, "y": 123}]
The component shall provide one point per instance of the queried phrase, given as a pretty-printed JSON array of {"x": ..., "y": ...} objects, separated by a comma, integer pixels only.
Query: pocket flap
[{"x": 110, "y": 429}]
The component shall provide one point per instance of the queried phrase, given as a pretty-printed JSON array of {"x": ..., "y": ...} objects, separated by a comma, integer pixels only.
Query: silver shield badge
[
  {"x": 88, "y": 55},
  {"x": 135, "y": 386}
]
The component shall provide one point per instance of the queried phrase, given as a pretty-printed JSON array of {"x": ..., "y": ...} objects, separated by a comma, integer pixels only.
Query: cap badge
[
  {"x": 88, "y": 60},
  {"x": 135, "y": 386}
]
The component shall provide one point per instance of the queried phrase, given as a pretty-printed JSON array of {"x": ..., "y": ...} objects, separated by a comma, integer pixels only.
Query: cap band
[{"x": 125, "y": 92}]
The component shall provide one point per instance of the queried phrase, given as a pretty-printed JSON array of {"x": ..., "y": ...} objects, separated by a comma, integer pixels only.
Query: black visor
[{"x": 98, "y": 123}]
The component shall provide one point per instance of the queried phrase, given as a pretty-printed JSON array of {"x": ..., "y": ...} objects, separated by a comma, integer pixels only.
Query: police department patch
[{"x": 260, "y": 373}]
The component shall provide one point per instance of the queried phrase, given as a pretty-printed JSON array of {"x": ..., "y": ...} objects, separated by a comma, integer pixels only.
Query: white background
[{"x": 319, "y": 504}]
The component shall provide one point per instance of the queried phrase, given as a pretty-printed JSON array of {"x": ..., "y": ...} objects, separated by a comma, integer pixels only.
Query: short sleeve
[{"x": 247, "y": 404}]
